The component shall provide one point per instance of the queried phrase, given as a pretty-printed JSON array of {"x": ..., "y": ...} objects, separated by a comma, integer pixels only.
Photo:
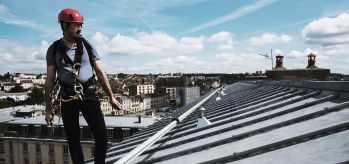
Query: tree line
[{"x": 36, "y": 96}]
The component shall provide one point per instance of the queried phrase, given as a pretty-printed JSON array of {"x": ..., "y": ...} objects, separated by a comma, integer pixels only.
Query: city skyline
[{"x": 195, "y": 36}]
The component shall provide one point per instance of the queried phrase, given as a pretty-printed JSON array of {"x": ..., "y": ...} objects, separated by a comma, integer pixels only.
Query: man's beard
[{"x": 73, "y": 36}]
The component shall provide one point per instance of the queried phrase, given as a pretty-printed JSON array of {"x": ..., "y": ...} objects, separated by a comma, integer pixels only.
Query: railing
[{"x": 146, "y": 144}]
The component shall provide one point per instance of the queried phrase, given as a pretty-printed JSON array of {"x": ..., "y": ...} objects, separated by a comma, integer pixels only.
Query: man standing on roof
[{"x": 76, "y": 61}]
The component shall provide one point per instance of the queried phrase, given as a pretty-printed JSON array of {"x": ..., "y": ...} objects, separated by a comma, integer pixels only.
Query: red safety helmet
[{"x": 70, "y": 15}]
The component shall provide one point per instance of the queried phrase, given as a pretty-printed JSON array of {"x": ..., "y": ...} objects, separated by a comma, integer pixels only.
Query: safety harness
[{"x": 56, "y": 97}]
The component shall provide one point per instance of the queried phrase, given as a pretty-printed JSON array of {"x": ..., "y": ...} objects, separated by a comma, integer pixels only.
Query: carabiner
[
  {"x": 78, "y": 88},
  {"x": 55, "y": 91}
]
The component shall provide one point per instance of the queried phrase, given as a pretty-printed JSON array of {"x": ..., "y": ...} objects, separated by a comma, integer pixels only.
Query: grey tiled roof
[{"x": 259, "y": 122}]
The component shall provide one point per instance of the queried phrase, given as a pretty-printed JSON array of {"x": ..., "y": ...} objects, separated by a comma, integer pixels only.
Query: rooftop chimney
[
  {"x": 202, "y": 121},
  {"x": 139, "y": 119},
  {"x": 311, "y": 61},
  {"x": 279, "y": 62}
]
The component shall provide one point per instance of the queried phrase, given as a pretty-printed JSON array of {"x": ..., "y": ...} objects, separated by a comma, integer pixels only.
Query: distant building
[
  {"x": 188, "y": 94},
  {"x": 141, "y": 89},
  {"x": 134, "y": 104},
  {"x": 172, "y": 92},
  {"x": 197, "y": 77},
  {"x": 26, "y": 84},
  {"x": 38, "y": 81},
  {"x": 213, "y": 82},
  {"x": 106, "y": 108},
  {"x": 126, "y": 104},
  {"x": 145, "y": 103},
  {"x": 159, "y": 101},
  {"x": 26, "y": 75},
  {"x": 32, "y": 141},
  {"x": 7, "y": 86},
  {"x": 16, "y": 96},
  {"x": 171, "y": 81},
  {"x": 23, "y": 111}
]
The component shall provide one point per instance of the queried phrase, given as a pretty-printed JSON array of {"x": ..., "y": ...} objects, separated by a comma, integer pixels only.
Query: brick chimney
[
  {"x": 279, "y": 62},
  {"x": 311, "y": 61}
]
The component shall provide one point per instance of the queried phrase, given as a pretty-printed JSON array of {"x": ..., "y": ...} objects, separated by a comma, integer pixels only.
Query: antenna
[{"x": 269, "y": 57}]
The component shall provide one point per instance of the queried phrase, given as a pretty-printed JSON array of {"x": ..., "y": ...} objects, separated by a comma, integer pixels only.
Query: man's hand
[
  {"x": 115, "y": 104},
  {"x": 49, "y": 117}
]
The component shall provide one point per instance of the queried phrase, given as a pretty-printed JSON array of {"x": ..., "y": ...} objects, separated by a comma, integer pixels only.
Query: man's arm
[
  {"x": 103, "y": 79},
  {"x": 49, "y": 84}
]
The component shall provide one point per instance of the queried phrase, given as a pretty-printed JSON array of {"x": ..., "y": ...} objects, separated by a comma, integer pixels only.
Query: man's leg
[
  {"x": 70, "y": 117},
  {"x": 94, "y": 118}
]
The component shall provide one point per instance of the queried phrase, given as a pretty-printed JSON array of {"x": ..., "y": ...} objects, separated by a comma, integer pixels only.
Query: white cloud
[
  {"x": 304, "y": 54},
  {"x": 140, "y": 43},
  {"x": 155, "y": 43},
  {"x": 24, "y": 58},
  {"x": 223, "y": 37},
  {"x": 176, "y": 64},
  {"x": 235, "y": 14},
  {"x": 277, "y": 52},
  {"x": 327, "y": 31},
  {"x": 241, "y": 62},
  {"x": 190, "y": 44},
  {"x": 331, "y": 33},
  {"x": 268, "y": 38},
  {"x": 243, "y": 59}
]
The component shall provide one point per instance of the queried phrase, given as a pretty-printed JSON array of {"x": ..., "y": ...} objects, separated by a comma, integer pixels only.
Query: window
[
  {"x": 110, "y": 133},
  {"x": 92, "y": 152},
  {"x": 25, "y": 147},
  {"x": 51, "y": 148},
  {"x": 65, "y": 162},
  {"x": 24, "y": 130},
  {"x": 65, "y": 149},
  {"x": 38, "y": 161},
  {"x": 63, "y": 131},
  {"x": 38, "y": 148},
  {"x": 26, "y": 160},
  {"x": 12, "y": 161},
  {"x": 52, "y": 161},
  {"x": 51, "y": 131},
  {"x": 10, "y": 145},
  {"x": 2, "y": 148},
  {"x": 125, "y": 132},
  {"x": 37, "y": 130}
]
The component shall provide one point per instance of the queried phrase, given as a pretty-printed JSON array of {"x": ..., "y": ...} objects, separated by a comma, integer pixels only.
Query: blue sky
[{"x": 189, "y": 36}]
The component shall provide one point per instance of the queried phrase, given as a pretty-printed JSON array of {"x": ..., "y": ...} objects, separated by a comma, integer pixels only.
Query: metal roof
[{"x": 256, "y": 122}]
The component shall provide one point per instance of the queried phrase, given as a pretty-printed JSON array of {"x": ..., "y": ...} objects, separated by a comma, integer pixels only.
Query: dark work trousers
[{"x": 92, "y": 113}]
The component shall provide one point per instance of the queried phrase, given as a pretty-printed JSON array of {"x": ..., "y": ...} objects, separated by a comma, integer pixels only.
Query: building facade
[
  {"x": 31, "y": 141},
  {"x": 188, "y": 94},
  {"x": 141, "y": 89}
]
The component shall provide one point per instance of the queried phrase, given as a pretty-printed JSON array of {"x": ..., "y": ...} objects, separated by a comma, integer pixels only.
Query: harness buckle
[
  {"x": 75, "y": 69},
  {"x": 78, "y": 88}
]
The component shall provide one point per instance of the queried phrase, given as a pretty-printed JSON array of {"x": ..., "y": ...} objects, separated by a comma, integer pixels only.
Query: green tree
[
  {"x": 3, "y": 103},
  {"x": 36, "y": 96},
  {"x": 122, "y": 75},
  {"x": 11, "y": 101},
  {"x": 17, "y": 88}
]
